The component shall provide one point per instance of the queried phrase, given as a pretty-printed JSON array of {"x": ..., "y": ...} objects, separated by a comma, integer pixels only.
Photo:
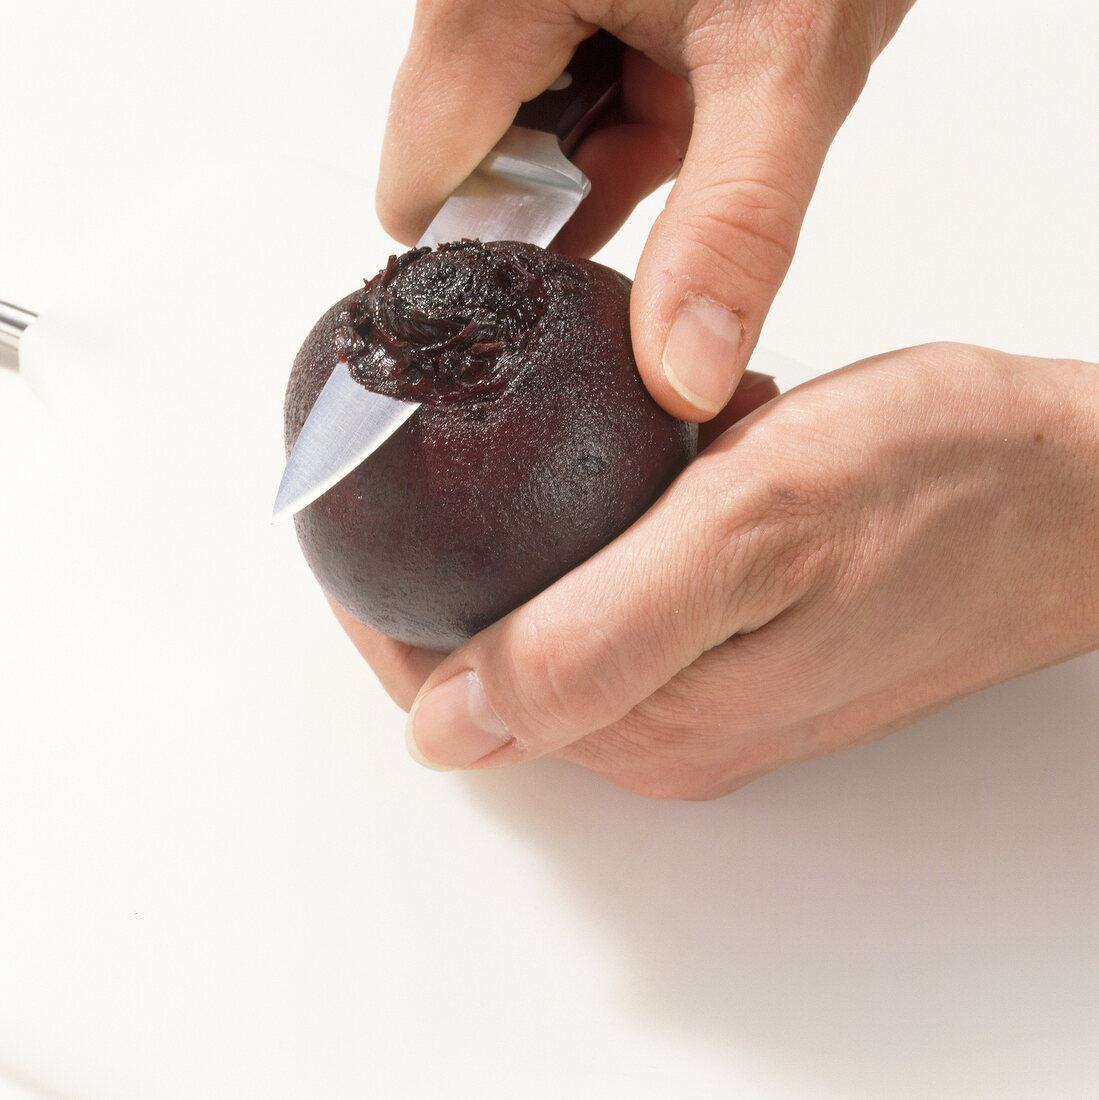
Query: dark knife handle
[{"x": 584, "y": 90}]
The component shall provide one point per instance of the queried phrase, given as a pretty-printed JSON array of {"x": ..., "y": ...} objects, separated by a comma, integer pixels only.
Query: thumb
[{"x": 720, "y": 249}]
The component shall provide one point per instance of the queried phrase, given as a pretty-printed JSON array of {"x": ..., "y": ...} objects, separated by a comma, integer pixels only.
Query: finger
[
  {"x": 769, "y": 699},
  {"x": 492, "y": 54},
  {"x": 713, "y": 263},
  {"x": 735, "y": 714},
  {"x": 653, "y": 95},
  {"x": 581, "y": 655},
  {"x": 640, "y": 150},
  {"x": 402, "y": 669},
  {"x": 721, "y": 247},
  {"x": 625, "y": 164}
]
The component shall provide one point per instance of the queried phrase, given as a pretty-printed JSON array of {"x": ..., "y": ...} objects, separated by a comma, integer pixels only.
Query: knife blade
[{"x": 525, "y": 189}]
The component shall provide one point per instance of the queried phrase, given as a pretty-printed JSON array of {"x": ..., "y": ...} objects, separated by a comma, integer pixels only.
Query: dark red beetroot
[{"x": 536, "y": 444}]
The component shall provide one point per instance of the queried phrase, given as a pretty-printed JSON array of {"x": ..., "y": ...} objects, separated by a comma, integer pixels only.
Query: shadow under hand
[{"x": 918, "y": 916}]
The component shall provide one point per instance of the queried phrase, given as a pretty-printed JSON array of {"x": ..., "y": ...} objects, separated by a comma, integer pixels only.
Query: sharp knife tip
[{"x": 286, "y": 503}]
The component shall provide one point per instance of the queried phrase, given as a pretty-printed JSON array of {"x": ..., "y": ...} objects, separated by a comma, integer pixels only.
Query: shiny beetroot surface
[{"x": 536, "y": 443}]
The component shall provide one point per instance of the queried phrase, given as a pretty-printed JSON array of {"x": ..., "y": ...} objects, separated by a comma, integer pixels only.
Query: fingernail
[
  {"x": 700, "y": 353},
  {"x": 454, "y": 725}
]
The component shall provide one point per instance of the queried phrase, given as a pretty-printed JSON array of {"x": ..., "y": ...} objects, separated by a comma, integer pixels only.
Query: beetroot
[{"x": 535, "y": 445}]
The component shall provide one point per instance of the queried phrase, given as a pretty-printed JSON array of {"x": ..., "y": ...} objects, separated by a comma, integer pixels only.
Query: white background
[{"x": 220, "y": 876}]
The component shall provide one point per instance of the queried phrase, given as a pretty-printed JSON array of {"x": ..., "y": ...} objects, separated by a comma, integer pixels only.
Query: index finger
[{"x": 468, "y": 67}]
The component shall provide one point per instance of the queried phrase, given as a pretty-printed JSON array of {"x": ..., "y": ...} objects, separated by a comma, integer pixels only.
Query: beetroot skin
[{"x": 535, "y": 445}]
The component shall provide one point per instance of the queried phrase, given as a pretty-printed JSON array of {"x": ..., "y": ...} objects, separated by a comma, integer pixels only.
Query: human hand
[
  {"x": 740, "y": 98},
  {"x": 853, "y": 555}
]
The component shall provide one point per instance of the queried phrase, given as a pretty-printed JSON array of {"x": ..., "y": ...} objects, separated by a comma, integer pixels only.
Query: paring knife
[{"x": 524, "y": 190}]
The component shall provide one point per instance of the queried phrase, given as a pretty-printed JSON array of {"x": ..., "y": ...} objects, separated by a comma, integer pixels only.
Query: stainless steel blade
[
  {"x": 346, "y": 424},
  {"x": 524, "y": 190}
]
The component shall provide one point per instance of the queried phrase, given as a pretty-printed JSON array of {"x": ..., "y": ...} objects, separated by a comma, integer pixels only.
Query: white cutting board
[{"x": 221, "y": 876}]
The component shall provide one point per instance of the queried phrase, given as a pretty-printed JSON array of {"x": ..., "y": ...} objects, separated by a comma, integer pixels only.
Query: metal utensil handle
[
  {"x": 13, "y": 322},
  {"x": 570, "y": 105}
]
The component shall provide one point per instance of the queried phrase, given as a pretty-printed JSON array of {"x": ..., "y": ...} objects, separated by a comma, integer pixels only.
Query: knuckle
[
  {"x": 812, "y": 48},
  {"x": 558, "y": 684},
  {"x": 749, "y": 224},
  {"x": 769, "y": 542},
  {"x": 615, "y": 15},
  {"x": 801, "y": 27}
]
